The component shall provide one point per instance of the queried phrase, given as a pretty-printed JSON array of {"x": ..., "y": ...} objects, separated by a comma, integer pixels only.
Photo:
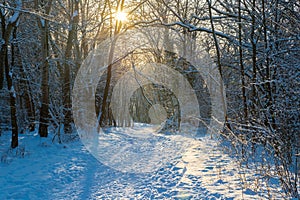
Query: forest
[{"x": 252, "y": 48}]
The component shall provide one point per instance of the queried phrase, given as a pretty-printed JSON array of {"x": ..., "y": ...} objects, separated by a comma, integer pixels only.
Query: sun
[{"x": 121, "y": 16}]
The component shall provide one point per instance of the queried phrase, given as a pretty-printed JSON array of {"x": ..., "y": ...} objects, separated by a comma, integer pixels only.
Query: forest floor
[{"x": 41, "y": 169}]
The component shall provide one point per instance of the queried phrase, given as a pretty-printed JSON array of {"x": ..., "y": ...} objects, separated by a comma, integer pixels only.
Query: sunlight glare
[{"x": 121, "y": 16}]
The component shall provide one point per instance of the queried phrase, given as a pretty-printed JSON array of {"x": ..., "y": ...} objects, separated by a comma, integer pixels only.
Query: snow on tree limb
[
  {"x": 20, "y": 10},
  {"x": 192, "y": 28},
  {"x": 14, "y": 18}
]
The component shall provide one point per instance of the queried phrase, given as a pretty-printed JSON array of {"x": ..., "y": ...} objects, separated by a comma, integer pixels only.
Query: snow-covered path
[{"x": 69, "y": 171}]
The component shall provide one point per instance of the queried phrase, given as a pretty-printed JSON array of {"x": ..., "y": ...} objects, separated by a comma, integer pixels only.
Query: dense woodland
[{"x": 254, "y": 43}]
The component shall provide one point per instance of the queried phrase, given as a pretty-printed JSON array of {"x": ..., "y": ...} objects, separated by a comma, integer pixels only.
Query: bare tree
[
  {"x": 43, "y": 24},
  {"x": 71, "y": 39},
  {"x": 105, "y": 105},
  {"x": 8, "y": 25}
]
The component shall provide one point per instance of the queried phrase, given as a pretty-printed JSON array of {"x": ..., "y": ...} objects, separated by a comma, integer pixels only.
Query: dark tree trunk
[
  {"x": 2, "y": 53},
  {"x": 219, "y": 65},
  {"x": 254, "y": 58},
  {"x": 67, "y": 71},
  {"x": 6, "y": 34},
  {"x": 105, "y": 108},
  {"x": 245, "y": 106},
  {"x": 268, "y": 85},
  {"x": 12, "y": 94},
  {"x": 44, "y": 116},
  {"x": 43, "y": 24},
  {"x": 67, "y": 87}
]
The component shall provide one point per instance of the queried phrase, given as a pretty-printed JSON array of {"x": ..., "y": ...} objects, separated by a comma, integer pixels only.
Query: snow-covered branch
[
  {"x": 14, "y": 18},
  {"x": 192, "y": 28}
]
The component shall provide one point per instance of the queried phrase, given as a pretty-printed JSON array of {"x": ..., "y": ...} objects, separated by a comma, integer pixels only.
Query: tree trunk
[
  {"x": 67, "y": 70},
  {"x": 242, "y": 63},
  {"x": 219, "y": 65},
  {"x": 254, "y": 57},
  {"x": 44, "y": 116},
  {"x": 2, "y": 52},
  {"x": 268, "y": 85},
  {"x": 44, "y": 112},
  {"x": 13, "y": 106},
  {"x": 104, "y": 108},
  {"x": 6, "y": 32}
]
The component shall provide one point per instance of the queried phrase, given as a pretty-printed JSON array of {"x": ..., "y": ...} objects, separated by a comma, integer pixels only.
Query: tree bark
[
  {"x": 43, "y": 24},
  {"x": 268, "y": 85},
  {"x": 6, "y": 32},
  {"x": 244, "y": 98},
  {"x": 254, "y": 57},
  {"x": 67, "y": 70},
  {"x": 2, "y": 51},
  {"x": 104, "y": 108},
  {"x": 219, "y": 65}
]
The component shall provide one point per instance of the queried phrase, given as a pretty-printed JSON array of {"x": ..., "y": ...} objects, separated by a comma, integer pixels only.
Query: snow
[
  {"x": 16, "y": 14},
  {"x": 75, "y": 13},
  {"x": 42, "y": 22},
  {"x": 13, "y": 91},
  {"x": 40, "y": 169}
]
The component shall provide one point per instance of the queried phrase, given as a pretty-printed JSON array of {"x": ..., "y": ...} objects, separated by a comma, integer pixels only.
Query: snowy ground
[{"x": 45, "y": 170}]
